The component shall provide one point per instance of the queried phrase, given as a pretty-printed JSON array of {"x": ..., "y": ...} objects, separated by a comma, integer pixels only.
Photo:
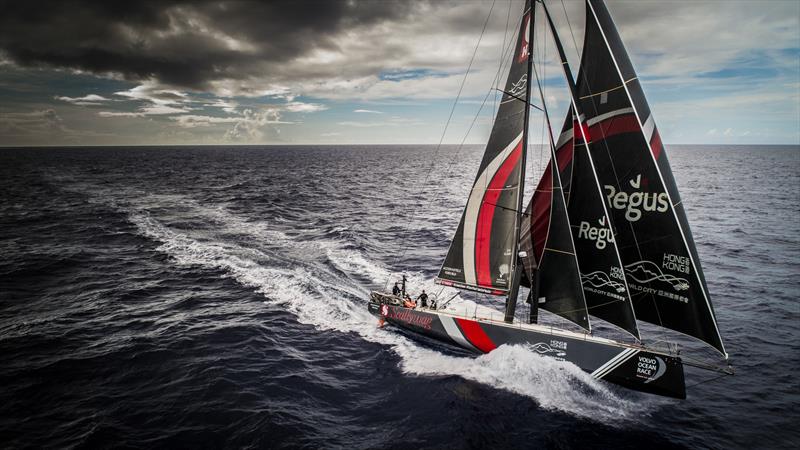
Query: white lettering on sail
[
  {"x": 635, "y": 202},
  {"x": 600, "y": 235},
  {"x": 677, "y": 263}
]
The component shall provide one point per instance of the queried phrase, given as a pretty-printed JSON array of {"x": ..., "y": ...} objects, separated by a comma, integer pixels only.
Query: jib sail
[
  {"x": 652, "y": 233},
  {"x": 482, "y": 254},
  {"x": 602, "y": 274},
  {"x": 546, "y": 235}
]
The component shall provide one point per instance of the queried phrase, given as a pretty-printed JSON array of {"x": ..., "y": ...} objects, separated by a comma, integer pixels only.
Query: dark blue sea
[{"x": 214, "y": 297}]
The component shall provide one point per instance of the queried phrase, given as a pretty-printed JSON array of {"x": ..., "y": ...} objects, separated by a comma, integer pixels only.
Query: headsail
[
  {"x": 482, "y": 254},
  {"x": 602, "y": 274},
  {"x": 661, "y": 264},
  {"x": 546, "y": 235}
]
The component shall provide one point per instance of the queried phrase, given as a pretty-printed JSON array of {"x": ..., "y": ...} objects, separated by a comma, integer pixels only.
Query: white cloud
[
  {"x": 119, "y": 114},
  {"x": 162, "y": 110},
  {"x": 86, "y": 100},
  {"x": 367, "y": 111},
  {"x": 304, "y": 107},
  {"x": 194, "y": 121}
]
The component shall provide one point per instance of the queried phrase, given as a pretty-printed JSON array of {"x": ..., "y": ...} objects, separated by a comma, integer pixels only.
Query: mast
[
  {"x": 511, "y": 301},
  {"x": 584, "y": 134}
]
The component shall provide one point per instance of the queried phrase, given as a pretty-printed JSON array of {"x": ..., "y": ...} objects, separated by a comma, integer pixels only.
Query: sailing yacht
[{"x": 604, "y": 236}]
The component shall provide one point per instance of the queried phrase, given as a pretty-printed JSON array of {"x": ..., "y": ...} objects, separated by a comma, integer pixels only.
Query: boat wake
[{"x": 324, "y": 284}]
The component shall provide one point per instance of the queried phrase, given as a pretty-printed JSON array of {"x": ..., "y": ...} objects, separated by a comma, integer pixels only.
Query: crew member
[
  {"x": 423, "y": 298},
  {"x": 396, "y": 290},
  {"x": 408, "y": 303}
]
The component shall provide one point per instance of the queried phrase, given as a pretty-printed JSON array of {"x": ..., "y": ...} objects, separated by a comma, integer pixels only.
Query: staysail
[
  {"x": 482, "y": 253},
  {"x": 546, "y": 235},
  {"x": 652, "y": 233}
]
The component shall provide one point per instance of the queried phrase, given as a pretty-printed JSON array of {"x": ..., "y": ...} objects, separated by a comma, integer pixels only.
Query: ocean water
[{"x": 210, "y": 297}]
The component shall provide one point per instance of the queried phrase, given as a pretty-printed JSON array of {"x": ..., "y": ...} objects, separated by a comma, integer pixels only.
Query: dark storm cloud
[{"x": 180, "y": 43}]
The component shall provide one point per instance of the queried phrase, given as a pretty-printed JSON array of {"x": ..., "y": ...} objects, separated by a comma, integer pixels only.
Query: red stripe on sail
[
  {"x": 483, "y": 229},
  {"x": 540, "y": 215},
  {"x": 586, "y": 131},
  {"x": 655, "y": 144},
  {"x": 626, "y": 123},
  {"x": 475, "y": 335}
]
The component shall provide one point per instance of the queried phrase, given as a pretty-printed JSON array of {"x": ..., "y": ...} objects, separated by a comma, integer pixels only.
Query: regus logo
[
  {"x": 600, "y": 235},
  {"x": 635, "y": 202}
]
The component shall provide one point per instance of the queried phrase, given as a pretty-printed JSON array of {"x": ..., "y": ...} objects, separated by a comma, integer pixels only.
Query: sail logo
[
  {"x": 600, "y": 235},
  {"x": 519, "y": 87},
  {"x": 635, "y": 202},
  {"x": 677, "y": 263},
  {"x": 523, "y": 51}
]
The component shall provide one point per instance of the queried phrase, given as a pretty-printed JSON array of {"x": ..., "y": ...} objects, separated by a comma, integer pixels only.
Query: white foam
[{"x": 318, "y": 295}]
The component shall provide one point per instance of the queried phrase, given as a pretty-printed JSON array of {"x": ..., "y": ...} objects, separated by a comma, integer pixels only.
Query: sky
[{"x": 372, "y": 72}]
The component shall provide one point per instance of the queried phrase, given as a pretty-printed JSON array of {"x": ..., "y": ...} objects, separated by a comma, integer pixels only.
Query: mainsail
[
  {"x": 650, "y": 226},
  {"x": 482, "y": 256}
]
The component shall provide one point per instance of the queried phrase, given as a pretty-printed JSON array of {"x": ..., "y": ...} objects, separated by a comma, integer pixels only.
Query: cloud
[
  {"x": 152, "y": 92},
  {"x": 367, "y": 111},
  {"x": 393, "y": 121},
  {"x": 162, "y": 110},
  {"x": 119, "y": 114},
  {"x": 194, "y": 121},
  {"x": 250, "y": 128},
  {"x": 304, "y": 107},
  {"x": 86, "y": 100}
]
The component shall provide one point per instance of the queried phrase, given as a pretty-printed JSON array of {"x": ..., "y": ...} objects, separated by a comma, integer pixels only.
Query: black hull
[{"x": 628, "y": 366}]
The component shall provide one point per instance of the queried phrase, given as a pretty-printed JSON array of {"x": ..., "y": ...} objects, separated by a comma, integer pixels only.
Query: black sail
[
  {"x": 652, "y": 233},
  {"x": 546, "y": 235},
  {"x": 481, "y": 256},
  {"x": 602, "y": 273}
]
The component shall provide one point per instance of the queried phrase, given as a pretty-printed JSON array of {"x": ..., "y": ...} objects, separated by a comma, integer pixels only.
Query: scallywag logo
[
  {"x": 635, "y": 202},
  {"x": 600, "y": 235}
]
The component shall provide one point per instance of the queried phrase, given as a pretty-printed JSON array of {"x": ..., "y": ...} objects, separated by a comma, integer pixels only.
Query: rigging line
[
  {"x": 574, "y": 41},
  {"x": 520, "y": 99},
  {"x": 505, "y": 37},
  {"x": 444, "y": 132},
  {"x": 708, "y": 380}
]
